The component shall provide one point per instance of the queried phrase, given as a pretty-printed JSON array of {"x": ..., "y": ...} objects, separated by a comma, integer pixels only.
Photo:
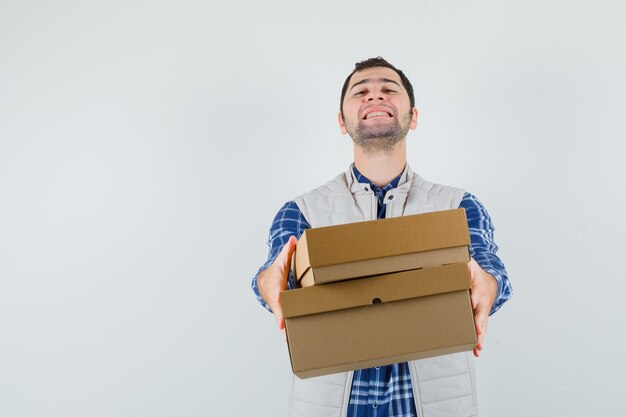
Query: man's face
[{"x": 377, "y": 111}]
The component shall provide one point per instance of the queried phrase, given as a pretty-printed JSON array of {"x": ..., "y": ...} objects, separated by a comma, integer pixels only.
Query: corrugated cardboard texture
[
  {"x": 333, "y": 253},
  {"x": 409, "y": 327}
]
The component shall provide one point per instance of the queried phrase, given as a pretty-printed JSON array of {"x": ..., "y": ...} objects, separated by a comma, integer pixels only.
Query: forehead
[{"x": 374, "y": 73}]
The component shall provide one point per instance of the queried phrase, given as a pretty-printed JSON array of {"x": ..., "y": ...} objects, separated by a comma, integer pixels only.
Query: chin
[{"x": 381, "y": 132}]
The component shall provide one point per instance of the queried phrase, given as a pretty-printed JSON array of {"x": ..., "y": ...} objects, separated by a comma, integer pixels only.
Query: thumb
[{"x": 287, "y": 251}]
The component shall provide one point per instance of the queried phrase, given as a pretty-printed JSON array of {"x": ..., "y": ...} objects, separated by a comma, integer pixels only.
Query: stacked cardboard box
[{"x": 379, "y": 292}]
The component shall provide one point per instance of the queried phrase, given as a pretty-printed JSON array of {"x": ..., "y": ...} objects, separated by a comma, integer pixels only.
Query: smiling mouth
[{"x": 377, "y": 115}]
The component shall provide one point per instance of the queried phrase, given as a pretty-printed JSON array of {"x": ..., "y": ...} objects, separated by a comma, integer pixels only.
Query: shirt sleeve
[
  {"x": 289, "y": 221},
  {"x": 483, "y": 248}
]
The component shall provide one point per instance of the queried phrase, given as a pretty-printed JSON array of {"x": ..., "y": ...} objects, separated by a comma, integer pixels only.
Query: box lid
[
  {"x": 375, "y": 289},
  {"x": 353, "y": 242}
]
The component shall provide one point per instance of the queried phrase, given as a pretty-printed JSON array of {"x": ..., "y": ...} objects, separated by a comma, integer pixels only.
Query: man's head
[
  {"x": 377, "y": 62},
  {"x": 377, "y": 105}
]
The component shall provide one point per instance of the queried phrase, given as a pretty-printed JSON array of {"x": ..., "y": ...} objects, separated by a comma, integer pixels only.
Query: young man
[{"x": 377, "y": 109}]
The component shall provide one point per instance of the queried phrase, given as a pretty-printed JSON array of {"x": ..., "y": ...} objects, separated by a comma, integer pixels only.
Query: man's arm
[
  {"x": 490, "y": 282},
  {"x": 275, "y": 275}
]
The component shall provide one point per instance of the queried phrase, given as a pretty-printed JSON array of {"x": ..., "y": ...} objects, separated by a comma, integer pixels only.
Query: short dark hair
[{"x": 379, "y": 61}]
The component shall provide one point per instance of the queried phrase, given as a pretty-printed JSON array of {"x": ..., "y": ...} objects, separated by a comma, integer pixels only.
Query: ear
[
  {"x": 342, "y": 125},
  {"x": 413, "y": 123}
]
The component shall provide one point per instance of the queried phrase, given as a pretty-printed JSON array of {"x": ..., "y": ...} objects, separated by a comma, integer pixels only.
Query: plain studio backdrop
[{"x": 146, "y": 146}]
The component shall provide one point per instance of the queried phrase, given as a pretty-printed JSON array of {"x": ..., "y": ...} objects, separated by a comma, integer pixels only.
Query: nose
[{"x": 376, "y": 95}]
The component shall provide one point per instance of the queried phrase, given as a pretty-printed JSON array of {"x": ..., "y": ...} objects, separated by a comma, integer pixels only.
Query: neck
[{"x": 381, "y": 167}]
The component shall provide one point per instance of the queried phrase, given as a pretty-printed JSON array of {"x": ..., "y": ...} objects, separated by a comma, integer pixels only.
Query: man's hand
[
  {"x": 483, "y": 294},
  {"x": 274, "y": 280}
]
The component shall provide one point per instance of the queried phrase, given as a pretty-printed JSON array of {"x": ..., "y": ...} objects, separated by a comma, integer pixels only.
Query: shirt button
[
  {"x": 390, "y": 197},
  {"x": 377, "y": 368},
  {"x": 375, "y": 405},
  {"x": 366, "y": 189}
]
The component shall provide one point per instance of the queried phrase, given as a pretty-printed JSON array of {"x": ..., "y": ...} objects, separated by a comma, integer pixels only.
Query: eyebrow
[{"x": 377, "y": 80}]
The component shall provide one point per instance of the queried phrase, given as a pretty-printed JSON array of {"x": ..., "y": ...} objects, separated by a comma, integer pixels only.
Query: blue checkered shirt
[{"x": 386, "y": 390}]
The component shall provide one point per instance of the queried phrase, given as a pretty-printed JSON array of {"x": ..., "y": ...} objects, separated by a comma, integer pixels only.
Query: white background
[{"x": 145, "y": 147}]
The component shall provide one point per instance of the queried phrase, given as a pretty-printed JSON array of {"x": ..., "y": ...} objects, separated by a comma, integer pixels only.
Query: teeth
[{"x": 376, "y": 113}]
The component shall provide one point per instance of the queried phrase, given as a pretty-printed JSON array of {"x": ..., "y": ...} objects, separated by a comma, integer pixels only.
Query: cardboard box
[
  {"x": 379, "y": 320},
  {"x": 335, "y": 253}
]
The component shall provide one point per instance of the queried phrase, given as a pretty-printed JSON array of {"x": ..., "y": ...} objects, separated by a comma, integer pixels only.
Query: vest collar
[{"x": 357, "y": 187}]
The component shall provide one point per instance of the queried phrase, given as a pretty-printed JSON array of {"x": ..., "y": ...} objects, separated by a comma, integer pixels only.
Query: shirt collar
[{"x": 363, "y": 179}]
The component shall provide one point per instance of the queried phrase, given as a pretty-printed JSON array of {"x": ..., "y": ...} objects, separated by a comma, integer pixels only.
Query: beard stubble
[{"x": 373, "y": 139}]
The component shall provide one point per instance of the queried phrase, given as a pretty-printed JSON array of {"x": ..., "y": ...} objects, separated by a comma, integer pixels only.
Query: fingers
[
  {"x": 481, "y": 320},
  {"x": 479, "y": 344},
  {"x": 482, "y": 296},
  {"x": 274, "y": 279},
  {"x": 481, "y": 315},
  {"x": 477, "y": 350},
  {"x": 473, "y": 268},
  {"x": 278, "y": 316},
  {"x": 474, "y": 294},
  {"x": 475, "y": 297},
  {"x": 480, "y": 330}
]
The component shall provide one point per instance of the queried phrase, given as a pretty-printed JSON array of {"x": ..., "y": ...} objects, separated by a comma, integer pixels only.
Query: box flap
[
  {"x": 375, "y": 289},
  {"x": 387, "y": 265},
  {"x": 331, "y": 245}
]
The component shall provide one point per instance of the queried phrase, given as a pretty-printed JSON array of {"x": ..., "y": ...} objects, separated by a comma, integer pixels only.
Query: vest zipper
[
  {"x": 415, "y": 387},
  {"x": 346, "y": 395}
]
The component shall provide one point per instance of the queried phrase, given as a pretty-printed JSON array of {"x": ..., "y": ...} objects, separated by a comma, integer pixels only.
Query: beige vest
[{"x": 444, "y": 386}]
